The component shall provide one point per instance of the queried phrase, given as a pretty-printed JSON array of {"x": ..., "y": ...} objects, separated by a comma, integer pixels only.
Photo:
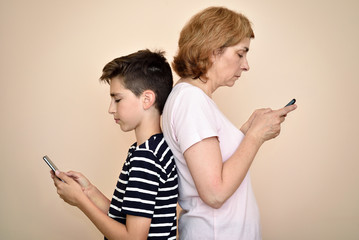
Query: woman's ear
[
  {"x": 215, "y": 54},
  {"x": 148, "y": 99}
]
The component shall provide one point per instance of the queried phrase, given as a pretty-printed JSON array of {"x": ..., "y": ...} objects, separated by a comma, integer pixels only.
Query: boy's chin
[{"x": 125, "y": 128}]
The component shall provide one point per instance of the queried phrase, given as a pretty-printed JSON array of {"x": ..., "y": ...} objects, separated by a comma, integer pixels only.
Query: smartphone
[
  {"x": 51, "y": 164},
  {"x": 291, "y": 102}
]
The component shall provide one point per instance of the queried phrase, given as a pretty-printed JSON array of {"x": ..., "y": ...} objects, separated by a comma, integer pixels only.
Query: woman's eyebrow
[{"x": 244, "y": 49}]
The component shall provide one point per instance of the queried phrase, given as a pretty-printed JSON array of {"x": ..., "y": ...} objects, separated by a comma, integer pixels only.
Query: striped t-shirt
[{"x": 148, "y": 187}]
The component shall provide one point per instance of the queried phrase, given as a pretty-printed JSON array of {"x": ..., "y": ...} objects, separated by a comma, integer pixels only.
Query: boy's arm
[
  {"x": 135, "y": 228},
  {"x": 91, "y": 191},
  {"x": 71, "y": 192}
]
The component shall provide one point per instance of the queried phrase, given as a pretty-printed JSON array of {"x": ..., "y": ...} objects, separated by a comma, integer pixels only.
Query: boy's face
[{"x": 125, "y": 106}]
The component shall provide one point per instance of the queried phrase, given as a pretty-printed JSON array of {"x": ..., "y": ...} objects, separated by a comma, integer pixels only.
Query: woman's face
[{"x": 229, "y": 64}]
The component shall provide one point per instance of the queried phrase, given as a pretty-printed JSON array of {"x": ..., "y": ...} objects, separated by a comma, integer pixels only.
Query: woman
[{"x": 213, "y": 157}]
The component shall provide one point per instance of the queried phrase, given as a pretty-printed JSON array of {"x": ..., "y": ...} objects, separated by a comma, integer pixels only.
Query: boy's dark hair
[{"x": 140, "y": 71}]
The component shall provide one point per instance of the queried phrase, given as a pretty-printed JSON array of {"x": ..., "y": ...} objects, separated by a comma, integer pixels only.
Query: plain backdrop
[{"x": 52, "y": 53}]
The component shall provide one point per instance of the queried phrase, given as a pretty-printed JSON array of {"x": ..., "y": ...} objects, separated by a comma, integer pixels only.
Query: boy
[{"x": 144, "y": 201}]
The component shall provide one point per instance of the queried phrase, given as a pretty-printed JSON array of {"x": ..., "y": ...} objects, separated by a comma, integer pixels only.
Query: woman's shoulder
[
  {"x": 188, "y": 91},
  {"x": 186, "y": 98}
]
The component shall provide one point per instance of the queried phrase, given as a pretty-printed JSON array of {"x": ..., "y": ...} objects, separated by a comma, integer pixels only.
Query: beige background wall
[{"x": 52, "y": 53}]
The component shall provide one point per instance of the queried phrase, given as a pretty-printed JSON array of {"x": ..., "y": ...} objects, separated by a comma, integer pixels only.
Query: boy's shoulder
[
  {"x": 155, "y": 144},
  {"x": 154, "y": 148}
]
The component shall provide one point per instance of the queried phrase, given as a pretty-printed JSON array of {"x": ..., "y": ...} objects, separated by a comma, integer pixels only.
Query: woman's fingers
[{"x": 284, "y": 111}]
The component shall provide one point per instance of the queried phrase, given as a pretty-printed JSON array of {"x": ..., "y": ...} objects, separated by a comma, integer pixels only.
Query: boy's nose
[{"x": 111, "y": 108}]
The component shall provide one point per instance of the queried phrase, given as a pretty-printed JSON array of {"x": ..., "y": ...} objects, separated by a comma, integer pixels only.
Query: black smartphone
[
  {"x": 291, "y": 102},
  {"x": 51, "y": 164}
]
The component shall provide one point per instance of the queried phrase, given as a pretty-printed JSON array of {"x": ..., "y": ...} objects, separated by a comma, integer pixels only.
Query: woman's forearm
[
  {"x": 264, "y": 125},
  {"x": 216, "y": 180},
  {"x": 237, "y": 166},
  {"x": 233, "y": 171}
]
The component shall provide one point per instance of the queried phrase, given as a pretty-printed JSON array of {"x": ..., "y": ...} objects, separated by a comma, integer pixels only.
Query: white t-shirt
[{"x": 190, "y": 116}]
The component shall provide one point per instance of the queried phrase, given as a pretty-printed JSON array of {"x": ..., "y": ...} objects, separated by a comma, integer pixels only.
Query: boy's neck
[{"x": 149, "y": 126}]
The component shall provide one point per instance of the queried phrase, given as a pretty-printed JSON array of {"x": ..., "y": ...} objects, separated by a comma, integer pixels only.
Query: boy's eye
[
  {"x": 240, "y": 55},
  {"x": 117, "y": 100}
]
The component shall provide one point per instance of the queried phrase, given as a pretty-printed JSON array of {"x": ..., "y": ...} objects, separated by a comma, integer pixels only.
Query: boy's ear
[{"x": 148, "y": 99}]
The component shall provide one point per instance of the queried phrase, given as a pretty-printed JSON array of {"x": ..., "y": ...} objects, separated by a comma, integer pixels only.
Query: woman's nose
[{"x": 245, "y": 65}]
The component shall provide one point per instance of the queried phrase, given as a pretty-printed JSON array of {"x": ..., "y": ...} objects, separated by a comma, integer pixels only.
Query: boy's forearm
[
  {"x": 99, "y": 199},
  {"x": 106, "y": 225}
]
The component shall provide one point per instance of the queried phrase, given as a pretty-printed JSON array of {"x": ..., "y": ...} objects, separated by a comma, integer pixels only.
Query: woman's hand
[
  {"x": 248, "y": 124},
  {"x": 265, "y": 124}
]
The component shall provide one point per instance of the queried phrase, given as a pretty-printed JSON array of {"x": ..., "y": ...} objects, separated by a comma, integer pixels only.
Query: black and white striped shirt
[{"x": 148, "y": 187}]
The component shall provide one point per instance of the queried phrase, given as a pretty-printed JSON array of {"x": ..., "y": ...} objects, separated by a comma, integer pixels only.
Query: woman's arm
[
  {"x": 217, "y": 181},
  {"x": 71, "y": 192}
]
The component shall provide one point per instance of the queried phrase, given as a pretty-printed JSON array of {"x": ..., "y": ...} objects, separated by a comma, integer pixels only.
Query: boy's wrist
[
  {"x": 88, "y": 189},
  {"x": 82, "y": 201},
  {"x": 91, "y": 191}
]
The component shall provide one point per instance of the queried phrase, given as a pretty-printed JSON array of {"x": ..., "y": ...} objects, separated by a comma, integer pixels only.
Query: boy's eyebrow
[{"x": 115, "y": 94}]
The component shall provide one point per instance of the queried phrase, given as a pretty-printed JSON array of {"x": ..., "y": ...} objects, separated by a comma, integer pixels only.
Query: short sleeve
[
  {"x": 193, "y": 118},
  {"x": 142, "y": 187}
]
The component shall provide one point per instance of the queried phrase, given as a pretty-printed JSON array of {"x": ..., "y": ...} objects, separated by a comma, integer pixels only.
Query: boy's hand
[
  {"x": 82, "y": 180},
  {"x": 68, "y": 189}
]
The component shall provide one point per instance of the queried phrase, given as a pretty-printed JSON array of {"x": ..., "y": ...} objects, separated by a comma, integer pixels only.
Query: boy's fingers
[
  {"x": 72, "y": 174},
  {"x": 63, "y": 176}
]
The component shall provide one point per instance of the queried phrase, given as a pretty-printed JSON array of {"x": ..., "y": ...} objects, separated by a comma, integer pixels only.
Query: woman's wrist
[
  {"x": 244, "y": 129},
  {"x": 254, "y": 138}
]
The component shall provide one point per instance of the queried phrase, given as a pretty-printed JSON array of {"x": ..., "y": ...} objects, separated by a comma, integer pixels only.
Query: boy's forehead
[
  {"x": 118, "y": 79},
  {"x": 116, "y": 85}
]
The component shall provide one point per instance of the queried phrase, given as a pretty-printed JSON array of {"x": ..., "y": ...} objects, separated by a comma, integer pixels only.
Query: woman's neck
[{"x": 204, "y": 85}]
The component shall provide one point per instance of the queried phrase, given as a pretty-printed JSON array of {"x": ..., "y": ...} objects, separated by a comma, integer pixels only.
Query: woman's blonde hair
[{"x": 214, "y": 28}]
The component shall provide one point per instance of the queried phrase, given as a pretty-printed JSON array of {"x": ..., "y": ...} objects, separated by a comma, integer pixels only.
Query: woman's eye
[
  {"x": 117, "y": 100},
  {"x": 240, "y": 55}
]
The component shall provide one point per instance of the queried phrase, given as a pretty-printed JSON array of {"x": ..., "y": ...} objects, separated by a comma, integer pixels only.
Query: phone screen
[
  {"x": 50, "y": 163},
  {"x": 291, "y": 102}
]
